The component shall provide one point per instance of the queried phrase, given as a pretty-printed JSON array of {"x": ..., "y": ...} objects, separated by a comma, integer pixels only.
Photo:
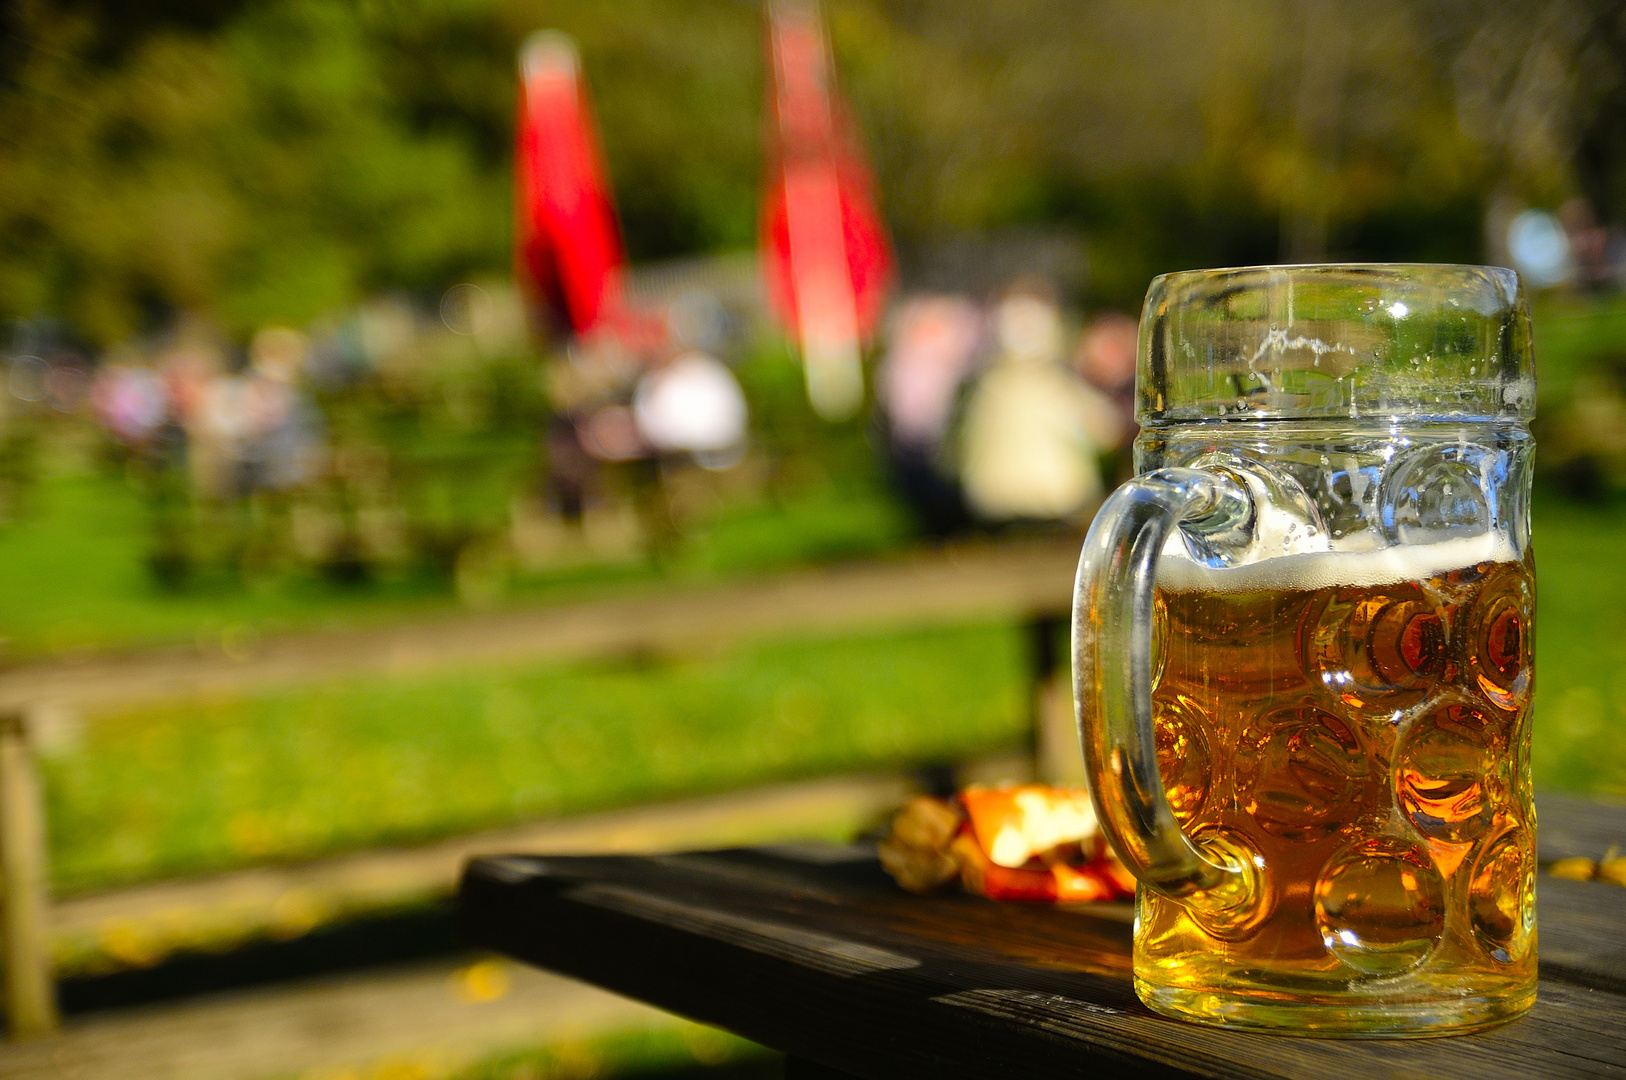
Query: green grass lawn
[
  {"x": 73, "y": 574},
  {"x": 1571, "y": 332},
  {"x": 673, "y": 1050},
  {"x": 1580, "y": 718},
  {"x": 353, "y": 764},
  {"x": 75, "y": 578}
]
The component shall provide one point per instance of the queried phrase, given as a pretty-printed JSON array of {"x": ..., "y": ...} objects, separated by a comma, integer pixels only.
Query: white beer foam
[{"x": 1178, "y": 572}]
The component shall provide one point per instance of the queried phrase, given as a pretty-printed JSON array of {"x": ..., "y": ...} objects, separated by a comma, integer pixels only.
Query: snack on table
[
  {"x": 916, "y": 851},
  {"x": 1008, "y": 843},
  {"x": 1611, "y": 869}
]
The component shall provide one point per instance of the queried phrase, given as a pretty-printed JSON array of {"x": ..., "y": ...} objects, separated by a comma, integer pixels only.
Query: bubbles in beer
[
  {"x": 1380, "y": 906},
  {"x": 1444, "y": 770},
  {"x": 1374, "y": 704},
  {"x": 1377, "y": 650},
  {"x": 1182, "y": 757},
  {"x": 1160, "y": 638},
  {"x": 1301, "y": 773},
  {"x": 1234, "y": 910},
  {"x": 1497, "y": 639},
  {"x": 1358, "y": 697},
  {"x": 1501, "y": 896}
]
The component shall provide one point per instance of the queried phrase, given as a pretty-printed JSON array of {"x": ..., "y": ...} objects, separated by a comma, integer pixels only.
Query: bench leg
[
  {"x": 30, "y": 996},
  {"x": 1057, "y": 758}
]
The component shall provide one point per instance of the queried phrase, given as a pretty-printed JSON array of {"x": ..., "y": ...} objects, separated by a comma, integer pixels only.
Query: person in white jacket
[{"x": 1033, "y": 432}]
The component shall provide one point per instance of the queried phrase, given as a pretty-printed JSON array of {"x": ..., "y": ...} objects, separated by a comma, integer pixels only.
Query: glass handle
[{"x": 1112, "y": 681}]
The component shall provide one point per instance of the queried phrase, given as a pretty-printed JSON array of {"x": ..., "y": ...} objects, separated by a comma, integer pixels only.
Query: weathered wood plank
[
  {"x": 25, "y": 935},
  {"x": 812, "y": 951},
  {"x": 971, "y": 581},
  {"x": 1569, "y": 826},
  {"x": 1582, "y": 928}
]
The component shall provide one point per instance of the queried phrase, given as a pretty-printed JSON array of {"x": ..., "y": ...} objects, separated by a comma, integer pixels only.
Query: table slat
[
  {"x": 1570, "y": 826},
  {"x": 814, "y": 952}
]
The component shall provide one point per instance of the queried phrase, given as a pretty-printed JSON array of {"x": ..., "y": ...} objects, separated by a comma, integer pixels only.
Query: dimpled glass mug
[{"x": 1302, "y": 650}]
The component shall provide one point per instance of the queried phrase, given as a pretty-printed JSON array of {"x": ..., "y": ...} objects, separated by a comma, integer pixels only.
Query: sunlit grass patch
[
  {"x": 354, "y": 764},
  {"x": 674, "y": 1050},
  {"x": 1580, "y": 710}
]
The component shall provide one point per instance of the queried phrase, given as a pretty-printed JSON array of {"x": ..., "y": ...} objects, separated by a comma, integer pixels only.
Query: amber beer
[
  {"x": 1310, "y": 610},
  {"x": 1358, "y": 726}
]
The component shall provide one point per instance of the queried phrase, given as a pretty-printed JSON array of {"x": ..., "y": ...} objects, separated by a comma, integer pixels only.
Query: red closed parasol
[
  {"x": 825, "y": 252},
  {"x": 567, "y": 243}
]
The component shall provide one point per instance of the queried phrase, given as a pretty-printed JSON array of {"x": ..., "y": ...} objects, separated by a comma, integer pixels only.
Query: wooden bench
[{"x": 814, "y": 952}]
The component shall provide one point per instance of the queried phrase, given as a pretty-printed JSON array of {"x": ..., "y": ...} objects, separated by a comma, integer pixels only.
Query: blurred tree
[
  {"x": 258, "y": 173},
  {"x": 272, "y": 162},
  {"x": 269, "y": 161},
  {"x": 1207, "y": 131},
  {"x": 1204, "y": 132},
  {"x": 1540, "y": 86}
]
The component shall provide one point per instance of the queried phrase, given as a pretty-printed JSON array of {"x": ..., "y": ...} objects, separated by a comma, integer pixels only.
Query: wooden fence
[{"x": 1029, "y": 581}]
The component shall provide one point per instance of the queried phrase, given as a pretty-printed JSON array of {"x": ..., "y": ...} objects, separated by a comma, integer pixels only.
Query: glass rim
[
  {"x": 1325, "y": 267},
  {"x": 1355, "y": 340}
]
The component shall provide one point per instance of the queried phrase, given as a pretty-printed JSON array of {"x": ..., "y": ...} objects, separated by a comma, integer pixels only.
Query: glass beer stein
[{"x": 1302, "y": 650}]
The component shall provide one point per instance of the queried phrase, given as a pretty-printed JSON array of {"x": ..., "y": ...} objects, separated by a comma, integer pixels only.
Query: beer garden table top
[{"x": 811, "y": 950}]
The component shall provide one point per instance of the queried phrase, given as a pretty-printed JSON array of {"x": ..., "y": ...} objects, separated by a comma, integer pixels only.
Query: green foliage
[
  {"x": 269, "y": 162},
  {"x": 447, "y": 442},
  {"x": 1224, "y": 132},
  {"x": 1573, "y": 336},
  {"x": 262, "y": 172},
  {"x": 305, "y": 154},
  {"x": 1581, "y": 426}
]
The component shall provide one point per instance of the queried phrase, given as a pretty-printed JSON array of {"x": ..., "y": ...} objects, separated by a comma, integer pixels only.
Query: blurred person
[
  {"x": 225, "y": 422},
  {"x": 1589, "y": 244},
  {"x": 601, "y": 475},
  {"x": 570, "y": 468},
  {"x": 936, "y": 344},
  {"x": 262, "y": 432},
  {"x": 256, "y": 440},
  {"x": 1033, "y": 432},
  {"x": 286, "y": 431},
  {"x": 133, "y": 404},
  {"x": 589, "y": 388},
  {"x": 67, "y": 381},
  {"x": 691, "y": 413},
  {"x": 692, "y": 405},
  {"x": 1105, "y": 359},
  {"x": 130, "y": 403},
  {"x": 187, "y": 374},
  {"x": 187, "y": 371}
]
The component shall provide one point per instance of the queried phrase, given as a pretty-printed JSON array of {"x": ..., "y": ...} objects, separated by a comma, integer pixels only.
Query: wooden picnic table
[{"x": 813, "y": 951}]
